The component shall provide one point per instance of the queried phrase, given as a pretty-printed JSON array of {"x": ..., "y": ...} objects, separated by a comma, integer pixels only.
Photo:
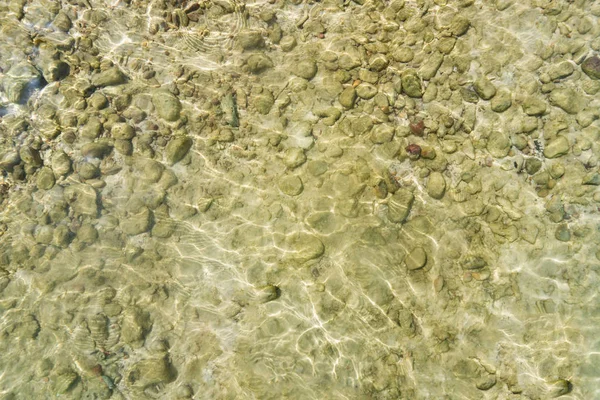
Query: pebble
[
  {"x": 111, "y": 77},
  {"x": 411, "y": 84},
  {"x": 62, "y": 21},
  {"x": 382, "y": 133},
  {"x": 177, "y": 148},
  {"x": 263, "y": 102},
  {"x": 366, "y": 91},
  {"x": 123, "y": 131},
  {"x": 562, "y": 233},
  {"x": 291, "y": 185},
  {"x": 167, "y": 105},
  {"x": 557, "y": 147},
  {"x": 294, "y": 157},
  {"x": 151, "y": 371},
  {"x": 287, "y": 43},
  {"x": 591, "y": 67},
  {"x": 304, "y": 247},
  {"x": 484, "y": 88},
  {"x": 30, "y": 156},
  {"x": 348, "y": 97},
  {"x": 87, "y": 170},
  {"x": 87, "y": 233},
  {"x": 306, "y": 69},
  {"x": 436, "y": 185},
  {"x": 416, "y": 259},
  {"x": 258, "y": 63},
  {"x": 567, "y": 99},
  {"x": 498, "y": 144},
  {"x": 501, "y": 101},
  {"x": 403, "y": 54},
  {"x": 96, "y": 150},
  {"x": 83, "y": 199},
  {"x": 249, "y": 40},
  {"x": 561, "y": 70},
  {"x": 399, "y": 205},
  {"x": 137, "y": 223},
  {"x": 45, "y": 179},
  {"x": 56, "y": 70},
  {"x": 91, "y": 129},
  {"x": 431, "y": 65},
  {"x": 378, "y": 62}
]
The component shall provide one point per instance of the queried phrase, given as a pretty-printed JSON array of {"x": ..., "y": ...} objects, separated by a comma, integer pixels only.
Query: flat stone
[
  {"x": 111, "y": 77},
  {"x": 568, "y": 99},
  {"x": 557, "y": 147}
]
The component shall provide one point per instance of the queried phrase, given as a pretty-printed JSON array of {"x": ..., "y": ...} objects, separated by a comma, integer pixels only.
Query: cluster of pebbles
[{"x": 299, "y": 199}]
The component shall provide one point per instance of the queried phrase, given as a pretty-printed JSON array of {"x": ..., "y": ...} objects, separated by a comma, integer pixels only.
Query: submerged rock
[
  {"x": 498, "y": 144},
  {"x": 501, "y": 101},
  {"x": 348, "y": 97},
  {"x": 303, "y": 247},
  {"x": 83, "y": 199},
  {"x": 306, "y": 69},
  {"x": 137, "y": 223},
  {"x": 591, "y": 67},
  {"x": 436, "y": 185},
  {"x": 291, "y": 185},
  {"x": 177, "y": 148},
  {"x": 567, "y": 99},
  {"x": 416, "y": 259},
  {"x": 152, "y": 371},
  {"x": 399, "y": 205},
  {"x": 411, "y": 84},
  {"x": 484, "y": 88},
  {"x": 557, "y": 147},
  {"x": 111, "y": 77},
  {"x": 45, "y": 179},
  {"x": 167, "y": 105}
]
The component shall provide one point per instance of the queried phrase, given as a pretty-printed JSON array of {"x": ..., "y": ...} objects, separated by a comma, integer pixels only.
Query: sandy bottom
[{"x": 299, "y": 200}]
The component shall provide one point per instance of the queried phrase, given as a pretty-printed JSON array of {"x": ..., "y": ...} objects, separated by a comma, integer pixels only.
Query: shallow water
[{"x": 299, "y": 200}]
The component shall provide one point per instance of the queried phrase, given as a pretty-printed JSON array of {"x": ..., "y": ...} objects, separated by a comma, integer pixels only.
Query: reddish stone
[
  {"x": 413, "y": 150},
  {"x": 417, "y": 127}
]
